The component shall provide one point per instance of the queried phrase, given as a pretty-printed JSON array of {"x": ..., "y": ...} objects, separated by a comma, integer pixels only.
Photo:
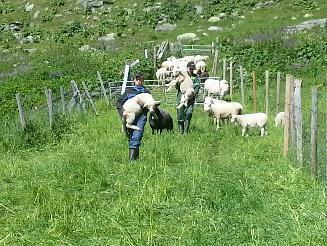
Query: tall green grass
[{"x": 206, "y": 188}]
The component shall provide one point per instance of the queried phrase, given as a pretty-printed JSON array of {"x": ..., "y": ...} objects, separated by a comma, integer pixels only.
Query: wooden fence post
[
  {"x": 62, "y": 98},
  {"x": 224, "y": 68},
  {"x": 289, "y": 79},
  {"x": 154, "y": 57},
  {"x": 242, "y": 87},
  {"x": 254, "y": 92},
  {"x": 48, "y": 94},
  {"x": 215, "y": 63},
  {"x": 103, "y": 88},
  {"x": 231, "y": 80},
  {"x": 146, "y": 53},
  {"x": 90, "y": 98},
  {"x": 80, "y": 98},
  {"x": 314, "y": 116},
  {"x": 298, "y": 120},
  {"x": 267, "y": 92},
  {"x": 292, "y": 118},
  {"x": 277, "y": 92},
  {"x": 21, "y": 111}
]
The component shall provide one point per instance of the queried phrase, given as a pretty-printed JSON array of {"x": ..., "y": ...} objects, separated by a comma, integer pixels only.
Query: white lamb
[
  {"x": 133, "y": 107},
  {"x": 186, "y": 88},
  {"x": 162, "y": 73},
  {"x": 279, "y": 120},
  {"x": 198, "y": 58},
  {"x": 216, "y": 87},
  {"x": 200, "y": 66},
  {"x": 221, "y": 109},
  {"x": 252, "y": 120}
]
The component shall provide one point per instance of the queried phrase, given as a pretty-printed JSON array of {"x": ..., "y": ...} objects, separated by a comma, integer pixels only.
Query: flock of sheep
[{"x": 218, "y": 108}]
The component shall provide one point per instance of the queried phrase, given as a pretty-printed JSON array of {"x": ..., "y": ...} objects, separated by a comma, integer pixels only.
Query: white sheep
[
  {"x": 162, "y": 73},
  {"x": 198, "y": 58},
  {"x": 216, "y": 87},
  {"x": 279, "y": 119},
  {"x": 252, "y": 120},
  {"x": 186, "y": 88},
  {"x": 133, "y": 107},
  {"x": 200, "y": 66},
  {"x": 221, "y": 109}
]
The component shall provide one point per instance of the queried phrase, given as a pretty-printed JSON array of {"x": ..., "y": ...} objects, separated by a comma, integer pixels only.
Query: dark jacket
[{"x": 129, "y": 93}]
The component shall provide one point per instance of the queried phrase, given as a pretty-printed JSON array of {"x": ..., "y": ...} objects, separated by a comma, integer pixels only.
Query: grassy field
[
  {"x": 74, "y": 186},
  {"x": 207, "y": 188}
]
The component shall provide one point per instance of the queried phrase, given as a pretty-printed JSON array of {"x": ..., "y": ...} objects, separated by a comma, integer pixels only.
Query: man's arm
[
  {"x": 120, "y": 102},
  {"x": 196, "y": 84}
]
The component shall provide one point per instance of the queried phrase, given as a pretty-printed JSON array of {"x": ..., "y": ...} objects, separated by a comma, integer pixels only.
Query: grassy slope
[{"x": 208, "y": 188}]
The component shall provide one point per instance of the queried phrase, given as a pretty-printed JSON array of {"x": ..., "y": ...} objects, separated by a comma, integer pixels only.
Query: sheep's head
[
  {"x": 151, "y": 106},
  {"x": 208, "y": 101},
  {"x": 234, "y": 118}
]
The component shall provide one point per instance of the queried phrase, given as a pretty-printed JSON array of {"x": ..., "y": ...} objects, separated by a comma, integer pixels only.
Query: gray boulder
[
  {"x": 108, "y": 37},
  {"x": 165, "y": 27},
  {"x": 187, "y": 37},
  {"x": 215, "y": 29},
  {"x": 306, "y": 25}
]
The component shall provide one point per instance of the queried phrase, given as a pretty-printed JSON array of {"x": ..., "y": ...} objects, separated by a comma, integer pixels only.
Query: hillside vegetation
[{"x": 72, "y": 185}]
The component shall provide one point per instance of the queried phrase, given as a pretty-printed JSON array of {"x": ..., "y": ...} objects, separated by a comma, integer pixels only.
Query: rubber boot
[
  {"x": 186, "y": 126},
  {"x": 181, "y": 126},
  {"x": 133, "y": 154}
]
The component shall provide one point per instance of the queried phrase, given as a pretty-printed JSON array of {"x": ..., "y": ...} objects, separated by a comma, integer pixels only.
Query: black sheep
[{"x": 159, "y": 120}]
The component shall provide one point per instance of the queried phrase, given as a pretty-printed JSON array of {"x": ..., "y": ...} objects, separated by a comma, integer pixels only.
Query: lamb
[
  {"x": 161, "y": 73},
  {"x": 200, "y": 66},
  {"x": 186, "y": 87},
  {"x": 279, "y": 120},
  {"x": 198, "y": 58},
  {"x": 216, "y": 87},
  {"x": 133, "y": 107},
  {"x": 221, "y": 109},
  {"x": 159, "y": 120},
  {"x": 252, "y": 120}
]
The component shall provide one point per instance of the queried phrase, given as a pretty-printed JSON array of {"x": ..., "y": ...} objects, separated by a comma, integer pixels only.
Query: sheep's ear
[
  {"x": 157, "y": 103},
  {"x": 145, "y": 105}
]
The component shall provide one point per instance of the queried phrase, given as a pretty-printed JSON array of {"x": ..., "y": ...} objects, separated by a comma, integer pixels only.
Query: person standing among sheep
[
  {"x": 184, "y": 114},
  {"x": 135, "y": 136}
]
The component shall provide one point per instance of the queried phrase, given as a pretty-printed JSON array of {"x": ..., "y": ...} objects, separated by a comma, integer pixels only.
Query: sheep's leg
[
  {"x": 243, "y": 131},
  {"x": 217, "y": 123},
  {"x": 262, "y": 131},
  {"x": 133, "y": 127},
  {"x": 182, "y": 102},
  {"x": 129, "y": 121},
  {"x": 170, "y": 85}
]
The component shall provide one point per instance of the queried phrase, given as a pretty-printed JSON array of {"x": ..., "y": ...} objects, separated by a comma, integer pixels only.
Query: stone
[
  {"x": 215, "y": 29},
  {"x": 198, "y": 9},
  {"x": 29, "y": 7},
  {"x": 214, "y": 19},
  {"x": 36, "y": 14},
  {"x": 84, "y": 48},
  {"x": 108, "y": 37},
  {"x": 187, "y": 37},
  {"x": 306, "y": 25},
  {"x": 29, "y": 39},
  {"x": 308, "y": 15},
  {"x": 222, "y": 15},
  {"x": 165, "y": 27}
]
